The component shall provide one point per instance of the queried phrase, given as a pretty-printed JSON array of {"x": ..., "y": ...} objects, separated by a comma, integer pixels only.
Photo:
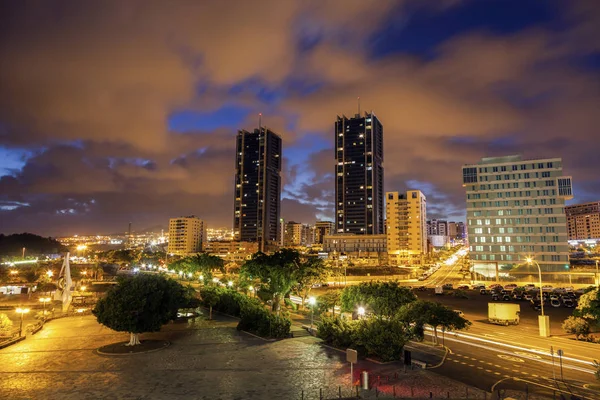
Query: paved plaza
[{"x": 206, "y": 360}]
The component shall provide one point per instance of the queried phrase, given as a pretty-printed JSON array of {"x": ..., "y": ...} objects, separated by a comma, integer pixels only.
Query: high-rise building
[
  {"x": 515, "y": 209},
  {"x": 322, "y": 229},
  {"x": 406, "y": 227},
  {"x": 257, "y": 188},
  {"x": 187, "y": 235},
  {"x": 583, "y": 221},
  {"x": 297, "y": 234},
  {"x": 437, "y": 227},
  {"x": 359, "y": 175}
]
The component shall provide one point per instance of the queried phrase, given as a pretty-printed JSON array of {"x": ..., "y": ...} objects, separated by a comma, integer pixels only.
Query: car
[
  {"x": 555, "y": 303},
  {"x": 530, "y": 286},
  {"x": 536, "y": 305},
  {"x": 483, "y": 291},
  {"x": 559, "y": 290},
  {"x": 528, "y": 297},
  {"x": 517, "y": 296},
  {"x": 506, "y": 297},
  {"x": 421, "y": 289},
  {"x": 496, "y": 285},
  {"x": 463, "y": 287},
  {"x": 448, "y": 286},
  {"x": 553, "y": 297},
  {"x": 478, "y": 286},
  {"x": 460, "y": 313},
  {"x": 568, "y": 303},
  {"x": 548, "y": 288},
  {"x": 510, "y": 286},
  {"x": 570, "y": 295},
  {"x": 495, "y": 297},
  {"x": 505, "y": 292}
]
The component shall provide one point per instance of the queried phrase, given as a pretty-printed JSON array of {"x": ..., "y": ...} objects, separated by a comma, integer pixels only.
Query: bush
[
  {"x": 384, "y": 339},
  {"x": 577, "y": 326},
  {"x": 336, "y": 331},
  {"x": 5, "y": 325},
  {"x": 227, "y": 301},
  {"x": 290, "y": 304},
  {"x": 257, "y": 319}
]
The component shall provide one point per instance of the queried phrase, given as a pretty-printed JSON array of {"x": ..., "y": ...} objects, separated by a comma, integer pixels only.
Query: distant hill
[{"x": 12, "y": 245}]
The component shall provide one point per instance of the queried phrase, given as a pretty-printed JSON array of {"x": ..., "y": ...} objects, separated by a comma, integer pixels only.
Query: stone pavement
[{"x": 206, "y": 360}]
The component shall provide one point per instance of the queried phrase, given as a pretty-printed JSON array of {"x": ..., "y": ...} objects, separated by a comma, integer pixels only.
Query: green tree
[
  {"x": 588, "y": 306},
  {"x": 210, "y": 297},
  {"x": 421, "y": 313},
  {"x": 329, "y": 301},
  {"x": 577, "y": 326},
  {"x": 383, "y": 299},
  {"x": 143, "y": 303},
  {"x": 276, "y": 272},
  {"x": 5, "y": 325},
  {"x": 311, "y": 272},
  {"x": 382, "y": 338}
]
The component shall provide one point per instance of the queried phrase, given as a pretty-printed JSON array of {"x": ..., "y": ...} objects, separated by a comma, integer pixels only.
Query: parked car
[
  {"x": 421, "y": 289},
  {"x": 559, "y": 290},
  {"x": 463, "y": 287},
  {"x": 483, "y": 291},
  {"x": 478, "y": 286},
  {"x": 510, "y": 286},
  {"x": 530, "y": 286},
  {"x": 547, "y": 288},
  {"x": 555, "y": 303},
  {"x": 568, "y": 303},
  {"x": 528, "y": 297},
  {"x": 517, "y": 295},
  {"x": 448, "y": 286},
  {"x": 506, "y": 297},
  {"x": 536, "y": 305},
  {"x": 553, "y": 297}
]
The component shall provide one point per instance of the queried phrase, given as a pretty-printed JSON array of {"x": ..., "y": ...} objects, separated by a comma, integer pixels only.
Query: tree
[
  {"x": 311, "y": 272},
  {"x": 421, "y": 313},
  {"x": 383, "y": 299},
  {"x": 588, "y": 306},
  {"x": 577, "y": 326},
  {"x": 210, "y": 297},
  {"x": 329, "y": 300},
  {"x": 277, "y": 272},
  {"x": 143, "y": 303},
  {"x": 5, "y": 325}
]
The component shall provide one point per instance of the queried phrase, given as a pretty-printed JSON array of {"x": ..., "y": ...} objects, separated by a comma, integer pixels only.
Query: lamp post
[
  {"x": 543, "y": 320},
  {"x": 21, "y": 311},
  {"x": 312, "y": 301},
  {"x": 23, "y": 253},
  {"x": 45, "y": 300},
  {"x": 596, "y": 276}
]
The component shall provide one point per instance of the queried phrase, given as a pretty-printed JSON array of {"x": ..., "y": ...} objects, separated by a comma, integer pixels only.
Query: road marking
[
  {"x": 515, "y": 370},
  {"x": 479, "y": 367},
  {"x": 524, "y": 354},
  {"x": 489, "y": 363},
  {"x": 488, "y": 370},
  {"x": 524, "y": 373},
  {"x": 481, "y": 361},
  {"x": 537, "y": 376},
  {"x": 510, "y": 358},
  {"x": 496, "y": 365},
  {"x": 463, "y": 363},
  {"x": 471, "y": 365},
  {"x": 474, "y": 359},
  {"x": 455, "y": 361},
  {"x": 496, "y": 373}
]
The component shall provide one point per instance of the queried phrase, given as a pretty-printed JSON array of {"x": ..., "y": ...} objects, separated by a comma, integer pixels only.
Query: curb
[
  {"x": 259, "y": 337},
  {"x": 443, "y": 359},
  {"x": 11, "y": 342},
  {"x": 101, "y": 353}
]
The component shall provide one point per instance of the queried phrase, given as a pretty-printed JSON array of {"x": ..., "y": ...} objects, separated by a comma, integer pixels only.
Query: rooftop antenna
[
  {"x": 358, "y": 99},
  {"x": 259, "y": 120}
]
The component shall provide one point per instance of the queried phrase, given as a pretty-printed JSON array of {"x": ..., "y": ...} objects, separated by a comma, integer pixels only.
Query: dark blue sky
[{"x": 129, "y": 114}]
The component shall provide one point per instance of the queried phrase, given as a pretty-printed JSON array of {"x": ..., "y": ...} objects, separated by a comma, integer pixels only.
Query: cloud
[{"x": 87, "y": 93}]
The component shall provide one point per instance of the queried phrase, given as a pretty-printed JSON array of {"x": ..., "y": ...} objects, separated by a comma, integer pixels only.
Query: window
[
  {"x": 495, "y": 169},
  {"x": 469, "y": 175},
  {"x": 564, "y": 187},
  {"x": 514, "y": 167},
  {"x": 550, "y": 183},
  {"x": 549, "y": 165},
  {"x": 503, "y": 168},
  {"x": 546, "y": 174}
]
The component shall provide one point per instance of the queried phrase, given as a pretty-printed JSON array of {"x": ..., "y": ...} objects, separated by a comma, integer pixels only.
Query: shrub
[
  {"x": 336, "y": 331},
  {"x": 5, "y": 325},
  {"x": 577, "y": 326},
  {"x": 255, "y": 318},
  {"x": 384, "y": 339},
  {"x": 290, "y": 304}
]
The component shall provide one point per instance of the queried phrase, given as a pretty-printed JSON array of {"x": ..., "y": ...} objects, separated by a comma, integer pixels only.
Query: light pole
[
  {"x": 312, "y": 301},
  {"x": 543, "y": 320},
  {"x": 21, "y": 311},
  {"x": 23, "y": 253},
  {"x": 596, "y": 276},
  {"x": 45, "y": 300}
]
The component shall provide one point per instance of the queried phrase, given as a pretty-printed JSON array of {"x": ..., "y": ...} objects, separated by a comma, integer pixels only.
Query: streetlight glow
[
  {"x": 81, "y": 247},
  {"x": 83, "y": 288},
  {"x": 230, "y": 283},
  {"x": 312, "y": 301},
  {"x": 361, "y": 311},
  {"x": 49, "y": 273},
  {"x": 22, "y": 311}
]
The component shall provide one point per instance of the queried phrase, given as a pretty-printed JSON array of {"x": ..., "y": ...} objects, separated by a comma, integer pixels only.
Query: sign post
[
  {"x": 351, "y": 357},
  {"x": 560, "y": 354},
  {"x": 552, "y": 354}
]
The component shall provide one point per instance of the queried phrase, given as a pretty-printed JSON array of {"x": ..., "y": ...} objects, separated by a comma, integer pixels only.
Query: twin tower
[{"x": 359, "y": 206}]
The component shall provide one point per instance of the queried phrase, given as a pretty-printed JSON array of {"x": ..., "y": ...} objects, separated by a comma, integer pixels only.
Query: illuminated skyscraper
[
  {"x": 257, "y": 188},
  {"x": 359, "y": 204}
]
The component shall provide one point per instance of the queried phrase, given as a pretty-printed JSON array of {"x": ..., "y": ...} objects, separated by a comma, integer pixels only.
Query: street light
[
  {"x": 230, "y": 283},
  {"x": 21, "y": 311},
  {"x": 82, "y": 288},
  {"x": 45, "y": 300},
  {"x": 312, "y": 301},
  {"x": 14, "y": 272},
  {"x": 543, "y": 320},
  {"x": 360, "y": 311},
  {"x": 49, "y": 273}
]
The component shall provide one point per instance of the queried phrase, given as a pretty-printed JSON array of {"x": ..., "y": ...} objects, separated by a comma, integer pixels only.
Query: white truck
[
  {"x": 504, "y": 313},
  {"x": 439, "y": 290}
]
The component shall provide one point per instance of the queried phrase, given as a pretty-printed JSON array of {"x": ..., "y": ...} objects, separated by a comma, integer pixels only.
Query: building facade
[
  {"x": 583, "y": 221},
  {"x": 231, "y": 251},
  {"x": 322, "y": 229},
  {"x": 355, "y": 245},
  {"x": 257, "y": 188},
  {"x": 359, "y": 175},
  {"x": 187, "y": 235},
  {"x": 515, "y": 209},
  {"x": 297, "y": 234},
  {"x": 406, "y": 229},
  {"x": 437, "y": 227}
]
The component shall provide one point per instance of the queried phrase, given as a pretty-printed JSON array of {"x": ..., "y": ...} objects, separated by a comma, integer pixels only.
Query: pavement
[{"x": 206, "y": 360}]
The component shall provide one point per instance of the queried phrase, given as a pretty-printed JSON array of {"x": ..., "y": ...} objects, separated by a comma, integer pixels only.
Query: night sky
[{"x": 120, "y": 111}]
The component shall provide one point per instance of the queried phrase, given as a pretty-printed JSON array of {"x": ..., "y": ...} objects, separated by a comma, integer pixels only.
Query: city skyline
[{"x": 99, "y": 129}]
